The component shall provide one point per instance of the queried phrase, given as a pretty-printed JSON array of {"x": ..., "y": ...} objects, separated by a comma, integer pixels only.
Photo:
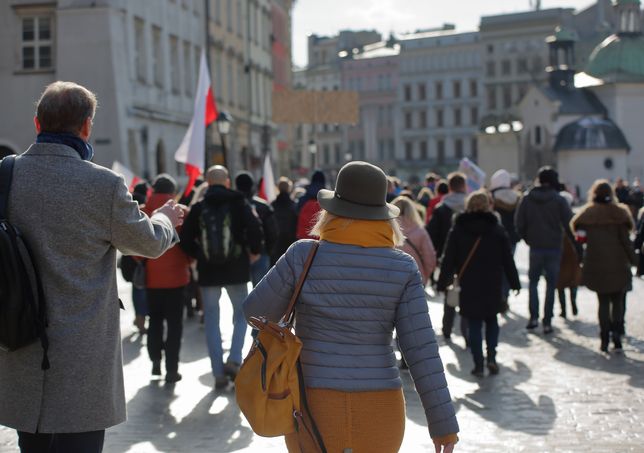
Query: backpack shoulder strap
[
  {"x": 288, "y": 314},
  {"x": 6, "y": 174}
]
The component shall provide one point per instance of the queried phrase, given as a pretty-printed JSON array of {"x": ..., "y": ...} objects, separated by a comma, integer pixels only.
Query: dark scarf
[{"x": 84, "y": 149}]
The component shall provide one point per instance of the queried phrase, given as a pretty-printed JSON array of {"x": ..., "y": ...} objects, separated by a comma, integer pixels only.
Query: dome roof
[
  {"x": 619, "y": 58},
  {"x": 591, "y": 133}
]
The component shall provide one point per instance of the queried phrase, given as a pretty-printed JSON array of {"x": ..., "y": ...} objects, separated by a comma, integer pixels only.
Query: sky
[{"x": 327, "y": 17}]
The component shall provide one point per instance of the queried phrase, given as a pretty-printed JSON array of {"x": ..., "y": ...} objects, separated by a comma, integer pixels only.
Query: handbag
[
  {"x": 269, "y": 387},
  {"x": 453, "y": 293}
]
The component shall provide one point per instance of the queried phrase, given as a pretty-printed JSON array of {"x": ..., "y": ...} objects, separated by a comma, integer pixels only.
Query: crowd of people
[{"x": 382, "y": 246}]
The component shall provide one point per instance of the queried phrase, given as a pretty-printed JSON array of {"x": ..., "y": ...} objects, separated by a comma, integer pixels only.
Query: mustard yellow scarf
[{"x": 364, "y": 233}]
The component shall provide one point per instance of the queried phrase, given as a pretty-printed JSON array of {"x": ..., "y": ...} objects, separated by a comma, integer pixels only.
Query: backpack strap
[
  {"x": 288, "y": 314},
  {"x": 316, "y": 435},
  {"x": 6, "y": 174}
]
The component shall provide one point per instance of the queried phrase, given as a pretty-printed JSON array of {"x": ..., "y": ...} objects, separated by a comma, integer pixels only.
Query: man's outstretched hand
[{"x": 173, "y": 211}]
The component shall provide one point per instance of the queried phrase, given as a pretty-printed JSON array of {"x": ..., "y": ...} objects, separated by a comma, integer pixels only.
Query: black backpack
[
  {"x": 23, "y": 315},
  {"x": 216, "y": 238}
]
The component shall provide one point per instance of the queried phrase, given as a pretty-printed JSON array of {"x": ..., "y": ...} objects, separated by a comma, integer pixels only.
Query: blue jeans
[
  {"x": 476, "y": 338},
  {"x": 211, "y": 294},
  {"x": 140, "y": 301},
  {"x": 546, "y": 262},
  {"x": 259, "y": 268}
]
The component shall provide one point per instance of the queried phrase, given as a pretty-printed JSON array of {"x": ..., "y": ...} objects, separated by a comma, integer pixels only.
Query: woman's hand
[{"x": 447, "y": 448}]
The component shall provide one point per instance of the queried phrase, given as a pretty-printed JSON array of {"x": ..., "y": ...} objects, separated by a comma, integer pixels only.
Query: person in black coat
[
  {"x": 482, "y": 280},
  {"x": 245, "y": 183},
  {"x": 285, "y": 210}
]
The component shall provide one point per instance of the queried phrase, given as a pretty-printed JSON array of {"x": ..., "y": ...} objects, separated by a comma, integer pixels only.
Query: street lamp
[
  {"x": 224, "y": 121},
  {"x": 313, "y": 149}
]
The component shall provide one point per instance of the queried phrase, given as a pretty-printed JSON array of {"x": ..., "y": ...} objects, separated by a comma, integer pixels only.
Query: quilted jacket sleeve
[
  {"x": 420, "y": 349},
  {"x": 271, "y": 296}
]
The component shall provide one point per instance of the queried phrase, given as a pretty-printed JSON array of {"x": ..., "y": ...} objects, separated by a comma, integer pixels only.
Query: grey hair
[
  {"x": 64, "y": 107},
  {"x": 324, "y": 217}
]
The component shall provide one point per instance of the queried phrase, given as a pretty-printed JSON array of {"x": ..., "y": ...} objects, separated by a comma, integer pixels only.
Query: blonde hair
[
  {"x": 323, "y": 218},
  {"x": 478, "y": 201},
  {"x": 407, "y": 210}
]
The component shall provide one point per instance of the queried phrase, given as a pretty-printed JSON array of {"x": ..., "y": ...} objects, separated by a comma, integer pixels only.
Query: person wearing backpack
[
  {"x": 225, "y": 236},
  {"x": 74, "y": 215}
]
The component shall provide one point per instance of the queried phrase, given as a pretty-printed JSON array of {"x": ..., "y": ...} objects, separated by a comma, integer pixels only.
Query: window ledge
[{"x": 34, "y": 71}]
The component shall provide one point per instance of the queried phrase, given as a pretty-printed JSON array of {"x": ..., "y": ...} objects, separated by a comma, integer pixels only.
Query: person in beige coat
[
  {"x": 74, "y": 216},
  {"x": 606, "y": 226}
]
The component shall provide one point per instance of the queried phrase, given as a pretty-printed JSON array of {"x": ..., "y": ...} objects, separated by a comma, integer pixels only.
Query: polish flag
[
  {"x": 267, "y": 187},
  {"x": 192, "y": 149}
]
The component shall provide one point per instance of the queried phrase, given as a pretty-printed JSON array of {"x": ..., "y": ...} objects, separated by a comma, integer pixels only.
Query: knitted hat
[
  {"x": 164, "y": 184},
  {"x": 500, "y": 179},
  {"x": 548, "y": 176},
  {"x": 244, "y": 182}
]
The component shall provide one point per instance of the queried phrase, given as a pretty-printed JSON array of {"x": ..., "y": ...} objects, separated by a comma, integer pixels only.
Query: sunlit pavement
[{"x": 554, "y": 393}]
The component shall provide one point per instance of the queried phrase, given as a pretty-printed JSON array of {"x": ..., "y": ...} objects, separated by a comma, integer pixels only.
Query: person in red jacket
[
  {"x": 166, "y": 280},
  {"x": 308, "y": 206}
]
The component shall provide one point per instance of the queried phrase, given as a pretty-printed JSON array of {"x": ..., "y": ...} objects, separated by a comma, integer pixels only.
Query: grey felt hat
[{"x": 360, "y": 193}]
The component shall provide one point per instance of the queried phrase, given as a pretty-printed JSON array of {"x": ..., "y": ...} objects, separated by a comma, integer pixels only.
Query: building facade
[
  {"x": 439, "y": 101},
  {"x": 140, "y": 58}
]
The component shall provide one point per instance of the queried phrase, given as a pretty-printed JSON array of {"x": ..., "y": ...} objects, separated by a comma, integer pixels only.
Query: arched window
[{"x": 160, "y": 157}]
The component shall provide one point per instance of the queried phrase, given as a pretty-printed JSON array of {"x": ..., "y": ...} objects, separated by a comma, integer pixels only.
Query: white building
[
  {"x": 140, "y": 58},
  {"x": 439, "y": 100}
]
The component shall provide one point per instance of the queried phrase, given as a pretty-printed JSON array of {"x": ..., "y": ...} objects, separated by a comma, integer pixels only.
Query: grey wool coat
[
  {"x": 352, "y": 300},
  {"x": 74, "y": 216}
]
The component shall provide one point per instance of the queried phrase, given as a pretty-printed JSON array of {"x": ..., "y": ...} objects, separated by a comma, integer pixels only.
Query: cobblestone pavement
[{"x": 554, "y": 393}]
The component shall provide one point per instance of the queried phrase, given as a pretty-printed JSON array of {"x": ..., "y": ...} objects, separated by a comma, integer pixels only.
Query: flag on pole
[
  {"x": 131, "y": 179},
  {"x": 267, "y": 188},
  {"x": 475, "y": 176},
  {"x": 192, "y": 149}
]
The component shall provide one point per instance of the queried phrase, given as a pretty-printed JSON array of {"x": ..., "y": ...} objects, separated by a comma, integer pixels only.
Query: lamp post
[
  {"x": 313, "y": 150},
  {"x": 223, "y": 126}
]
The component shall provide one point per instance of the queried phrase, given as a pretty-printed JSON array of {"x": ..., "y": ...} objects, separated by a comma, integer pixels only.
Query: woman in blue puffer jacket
[{"x": 359, "y": 289}]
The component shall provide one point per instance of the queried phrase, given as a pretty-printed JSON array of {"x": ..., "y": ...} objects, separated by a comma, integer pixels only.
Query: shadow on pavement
[
  {"x": 132, "y": 346},
  {"x": 215, "y": 421}
]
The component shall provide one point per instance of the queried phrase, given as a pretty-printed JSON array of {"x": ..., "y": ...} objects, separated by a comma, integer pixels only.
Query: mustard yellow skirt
[{"x": 353, "y": 422}]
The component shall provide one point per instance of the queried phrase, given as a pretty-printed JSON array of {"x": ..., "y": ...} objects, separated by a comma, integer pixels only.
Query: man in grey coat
[{"x": 74, "y": 215}]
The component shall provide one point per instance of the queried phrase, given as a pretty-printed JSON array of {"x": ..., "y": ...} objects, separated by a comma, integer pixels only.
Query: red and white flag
[
  {"x": 192, "y": 149},
  {"x": 131, "y": 179},
  {"x": 267, "y": 188}
]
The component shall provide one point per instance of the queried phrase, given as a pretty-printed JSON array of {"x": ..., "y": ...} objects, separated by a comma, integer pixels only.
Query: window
[
  {"x": 523, "y": 89},
  {"x": 327, "y": 154},
  {"x": 240, "y": 25},
  {"x": 439, "y": 118},
  {"x": 218, "y": 11},
  {"x": 407, "y": 89},
  {"x": 409, "y": 151},
  {"x": 422, "y": 94},
  {"x": 157, "y": 56},
  {"x": 175, "y": 77},
  {"x": 381, "y": 150},
  {"x": 507, "y": 96},
  {"x": 231, "y": 83},
  {"x": 474, "y": 116},
  {"x": 537, "y": 64},
  {"x": 522, "y": 65},
  {"x": 422, "y": 119},
  {"x": 490, "y": 48},
  {"x": 538, "y": 139},
  {"x": 458, "y": 148},
  {"x": 392, "y": 149},
  {"x": 457, "y": 117},
  {"x": 338, "y": 157},
  {"x": 423, "y": 150},
  {"x": 474, "y": 150},
  {"x": 474, "y": 88},
  {"x": 187, "y": 65},
  {"x": 439, "y": 90},
  {"x": 37, "y": 43},
  {"x": 229, "y": 15},
  {"x": 490, "y": 69},
  {"x": 491, "y": 98},
  {"x": 506, "y": 67},
  {"x": 408, "y": 120},
  {"x": 456, "y": 88},
  {"x": 139, "y": 49},
  {"x": 440, "y": 151}
]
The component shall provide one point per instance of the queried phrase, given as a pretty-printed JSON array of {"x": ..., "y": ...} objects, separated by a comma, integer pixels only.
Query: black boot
[
  {"x": 492, "y": 366},
  {"x": 574, "y": 307},
  {"x": 478, "y": 370},
  {"x": 617, "y": 341},
  {"x": 604, "y": 341}
]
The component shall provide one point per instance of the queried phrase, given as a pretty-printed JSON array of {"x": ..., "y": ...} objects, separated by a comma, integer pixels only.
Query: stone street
[{"x": 554, "y": 393}]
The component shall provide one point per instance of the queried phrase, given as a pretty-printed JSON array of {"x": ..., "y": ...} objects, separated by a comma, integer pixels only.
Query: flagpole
[{"x": 207, "y": 50}]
